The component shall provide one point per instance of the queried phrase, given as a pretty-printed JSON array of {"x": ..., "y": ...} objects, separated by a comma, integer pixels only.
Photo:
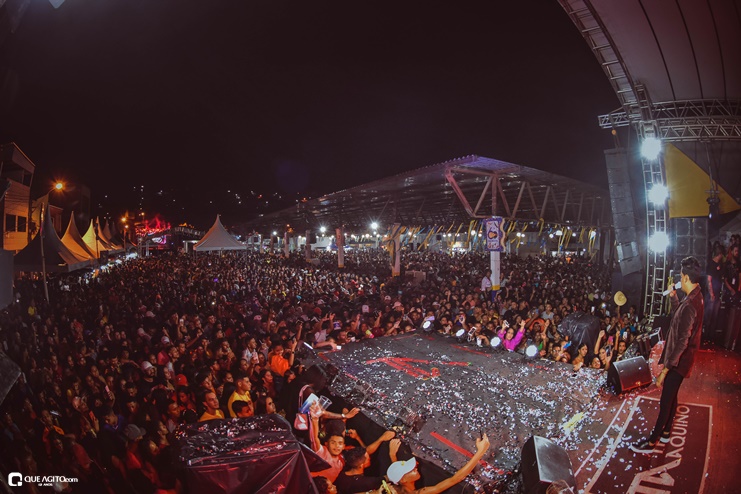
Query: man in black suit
[{"x": 683, "y": 340}]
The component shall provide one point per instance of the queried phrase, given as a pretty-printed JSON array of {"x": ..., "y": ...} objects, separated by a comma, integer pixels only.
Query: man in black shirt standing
[{"x": 714, "y": 286}]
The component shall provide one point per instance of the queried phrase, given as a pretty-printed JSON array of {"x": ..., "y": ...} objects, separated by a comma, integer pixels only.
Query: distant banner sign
[{"x": 494, "y": 231}]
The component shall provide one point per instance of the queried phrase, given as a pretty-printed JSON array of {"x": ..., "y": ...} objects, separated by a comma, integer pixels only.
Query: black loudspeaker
[
  {"x": 544, "y": 462},
  {"x": 625, "y": 375},
  {"x": 662, "y": 323}
]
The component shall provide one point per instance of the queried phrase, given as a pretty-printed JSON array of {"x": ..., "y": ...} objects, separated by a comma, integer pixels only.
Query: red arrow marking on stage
[
  {"x": 466, "y": 453},
  {"x": 471, "y": 351},
  {"x": 402, "y": 364}
]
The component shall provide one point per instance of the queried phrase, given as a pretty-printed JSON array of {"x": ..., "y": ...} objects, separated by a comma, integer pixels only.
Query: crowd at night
[{"x": 116, "y": 362}]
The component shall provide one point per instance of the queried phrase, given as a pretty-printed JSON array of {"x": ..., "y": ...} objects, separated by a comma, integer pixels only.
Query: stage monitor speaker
[
  {"x": 544, "y": 462},
  {"x": 625, "y": 375}
]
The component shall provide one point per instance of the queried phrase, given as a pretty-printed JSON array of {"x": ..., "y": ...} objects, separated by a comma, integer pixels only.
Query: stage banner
[{"x": 494, "y": 234}]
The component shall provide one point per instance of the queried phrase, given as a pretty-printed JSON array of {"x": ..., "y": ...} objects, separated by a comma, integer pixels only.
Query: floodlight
[
  {"x": 275, "y": 233},
  {"x": 658, "y": 242},
  {"x": 495, "y": 342},
  {"x": 658, "y": 194},
  {"x": 531, "y": 351},
  {"x": 460, "y": 335},
  {"x": 323, "y": 229},
  {"x": 650, "y": 148},
  {"x": 374, "y": 226}
]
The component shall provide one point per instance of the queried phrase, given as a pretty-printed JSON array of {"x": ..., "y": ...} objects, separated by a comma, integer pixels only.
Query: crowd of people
[{"x": 118, "y": 359}]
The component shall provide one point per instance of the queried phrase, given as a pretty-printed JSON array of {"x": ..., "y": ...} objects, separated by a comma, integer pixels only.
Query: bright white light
[
  {"x": 426, "y": 325},
  {"x": 275, "y": 233},
  {"x": 478, "y": 342},
  {"x": 551, "y": 235},
  {"x": 650, "y": 148},
  {"x": 592, "y": 234},
  {"x": 323, "y": 229},
  {"x": 531, "y": 351},
  {"x": 658, "y": 242},
  {"x": 559, "y": 233},
  {"x": 374, "y": 226},
  {"x": 460, "y": 333},
  {"x": 658, "y": 194},
  {"x": 496, "y": 341}
]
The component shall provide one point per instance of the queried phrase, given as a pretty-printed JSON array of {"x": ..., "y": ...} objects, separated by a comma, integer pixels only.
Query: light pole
[{"x": 59, "y": 186}]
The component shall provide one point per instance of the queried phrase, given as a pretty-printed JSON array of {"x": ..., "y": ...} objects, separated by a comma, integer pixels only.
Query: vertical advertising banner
[{"x": 494, "y": 234}]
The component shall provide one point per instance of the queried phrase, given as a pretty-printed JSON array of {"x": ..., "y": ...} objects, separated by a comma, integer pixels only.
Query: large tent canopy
[
  {"x": 57, "y": 258},
  {"x": 73, "y": 241},
  {"x": 217, "y": 238},
  {"x": 448, "y": 193}
]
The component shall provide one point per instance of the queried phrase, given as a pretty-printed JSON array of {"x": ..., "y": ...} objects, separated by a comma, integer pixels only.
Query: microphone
[{"x": 676, "y": 286}]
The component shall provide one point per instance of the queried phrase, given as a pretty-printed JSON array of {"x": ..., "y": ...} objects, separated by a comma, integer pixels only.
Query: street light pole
[{"x": 43, "y": 258}]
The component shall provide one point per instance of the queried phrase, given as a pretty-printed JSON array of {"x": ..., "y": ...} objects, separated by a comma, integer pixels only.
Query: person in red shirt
[{"x": 330, "y": 451}]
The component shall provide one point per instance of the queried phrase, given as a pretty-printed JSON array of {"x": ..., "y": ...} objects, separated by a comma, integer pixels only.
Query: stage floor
[{"x": 439, "y": 394}]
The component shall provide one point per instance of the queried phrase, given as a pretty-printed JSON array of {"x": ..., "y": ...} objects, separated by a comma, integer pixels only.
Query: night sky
[{"x": 192, "y": 99}]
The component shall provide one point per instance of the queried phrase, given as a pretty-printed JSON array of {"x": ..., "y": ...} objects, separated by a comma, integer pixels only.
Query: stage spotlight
[
  {"x": 650, "y": 148},
  {"x": 374, "y": 226},
  {"x": 713, "y": 206},
  {"x": 658, "y": 242},
  {"x": 495, "y": 342},
  {"x": 531, "y": 351},
  {"x": 323, "y": 229},
  {"x": 427, "y": 326},
  {"x": 658, "y": 194},
  {"x": 460, "y": 335}
]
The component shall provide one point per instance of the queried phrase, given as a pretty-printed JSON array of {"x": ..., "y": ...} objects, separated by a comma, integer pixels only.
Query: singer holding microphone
[{"x": 683, "y": 340}]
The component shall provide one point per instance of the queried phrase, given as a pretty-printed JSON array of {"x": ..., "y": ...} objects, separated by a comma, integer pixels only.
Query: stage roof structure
[
  {"x": 674, "y": 68},
  {"x": 455, "y": 191}
]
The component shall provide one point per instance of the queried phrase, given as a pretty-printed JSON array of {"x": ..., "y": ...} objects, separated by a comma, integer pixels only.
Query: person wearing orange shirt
[{"x": 279, "y": 364}]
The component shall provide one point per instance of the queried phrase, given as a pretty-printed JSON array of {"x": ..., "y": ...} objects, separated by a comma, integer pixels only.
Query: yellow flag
[{"x": 688, "y": 186}]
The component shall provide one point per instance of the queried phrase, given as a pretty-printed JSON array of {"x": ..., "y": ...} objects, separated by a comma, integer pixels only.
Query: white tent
[
  {"x": 56, "y": 259},
  {"x": 217, "y": 238},
  {"x": 93, "y": 242},
  {"x": 104, "y": 233},
  {"x": 74, "y": 242}
]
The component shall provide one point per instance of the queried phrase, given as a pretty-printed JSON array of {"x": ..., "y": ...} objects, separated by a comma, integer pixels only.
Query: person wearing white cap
[{"x": 404, "y": 473}]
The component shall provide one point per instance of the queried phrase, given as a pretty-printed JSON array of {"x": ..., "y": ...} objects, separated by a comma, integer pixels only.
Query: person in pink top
[{"x": 509, "y": 338}]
